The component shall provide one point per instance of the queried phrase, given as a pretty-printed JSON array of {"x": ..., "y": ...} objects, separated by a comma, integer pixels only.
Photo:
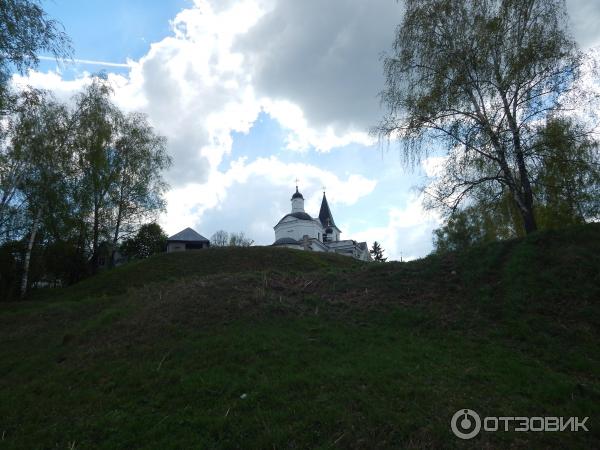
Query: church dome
[
  {"x": 297, "y": 194},
  {"x": 296, "y": 215},
  {"x": 300, "y": 215}
]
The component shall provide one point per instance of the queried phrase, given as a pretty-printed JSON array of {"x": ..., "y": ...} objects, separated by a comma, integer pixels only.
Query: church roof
[
  {"x": 188, "y": 235},
  {"x": 297, "y": 215},
  {"x": 285, "y": 240},
  {"x": 297, "y": 194},
  {"x": 325, "y": 215}
]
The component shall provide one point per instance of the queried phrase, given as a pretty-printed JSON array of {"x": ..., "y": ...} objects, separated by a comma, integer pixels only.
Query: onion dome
[{"x": 297, "y": 194}]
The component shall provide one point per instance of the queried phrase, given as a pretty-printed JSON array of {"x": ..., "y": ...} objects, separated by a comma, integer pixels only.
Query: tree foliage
[
  {"x": 473, "y": 225},
  {"x": 120, "y": 164},
  {"x": 39, "y": 149},
  {"x": 222, "y": 238},
  {"x": 219, "y": 239},
  {"x": 567, "y": 186},
  {"x": 483, "y": 78},
  {"x": 240, "y": 240},
  {"x": 566, "y": 189},
  {"x": 377, "y": 252},
  {"x": 149, "y": 240}
]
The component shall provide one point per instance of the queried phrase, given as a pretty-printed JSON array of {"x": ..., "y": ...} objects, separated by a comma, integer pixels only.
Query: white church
[{"x": 301, "y": 231}]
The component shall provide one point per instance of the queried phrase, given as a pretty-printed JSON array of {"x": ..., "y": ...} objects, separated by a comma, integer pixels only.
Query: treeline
[
  {"x": 76, "y": 179},
  {"x": 222, "y": 238}
]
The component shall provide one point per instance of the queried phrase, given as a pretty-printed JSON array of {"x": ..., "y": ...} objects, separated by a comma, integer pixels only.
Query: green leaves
[{"x": 149, "y": 240}]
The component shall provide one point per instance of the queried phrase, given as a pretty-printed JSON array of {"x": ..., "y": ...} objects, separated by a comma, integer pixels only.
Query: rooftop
[
  {"x": 297, "y": 215},
  {"x": 325, "y": 215},
  {"x": 188, "y": 235}
]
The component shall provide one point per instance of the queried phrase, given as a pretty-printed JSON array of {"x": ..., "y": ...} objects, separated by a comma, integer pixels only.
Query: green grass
[
  {"x": 211, "y": 261},
  {"x": 270, "y": 348}
]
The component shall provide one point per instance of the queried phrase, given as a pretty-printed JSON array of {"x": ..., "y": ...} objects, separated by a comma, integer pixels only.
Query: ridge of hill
[
  {"x": 277, "y": 348},
  {"x": 211, "y": 261}
]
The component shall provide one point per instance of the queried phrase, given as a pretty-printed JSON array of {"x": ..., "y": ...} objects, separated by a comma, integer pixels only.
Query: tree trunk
[
  {"x": 115, "y": 238},
  {"x": 95, "y": 238},
  {"x": 529, "y": 220},
  {"x": 525, "y": 193},
  {"x": 120, "y": 208},
  {"x": 34, "y": 228},
  {"x": 527, "y": 196}
]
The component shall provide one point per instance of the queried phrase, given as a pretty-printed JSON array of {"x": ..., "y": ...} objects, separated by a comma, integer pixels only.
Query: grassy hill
[{"x": 275, "y": 348}]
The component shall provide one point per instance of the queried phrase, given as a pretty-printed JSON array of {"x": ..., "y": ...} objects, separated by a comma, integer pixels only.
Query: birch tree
[
  {"x": 480, "y": 78},
  {"x": 140, "y": 159},
  {"x": 40, "y": 147},
  {"x": 97, "y": 122}
]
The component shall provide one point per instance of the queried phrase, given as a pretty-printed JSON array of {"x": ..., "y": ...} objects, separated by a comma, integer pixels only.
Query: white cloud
[
  {"x": 585, "y": 15},
  {"x": 407, "y": 234},
  {"x": 324, "y": 58},
  {"x": 433, "y": 165}
]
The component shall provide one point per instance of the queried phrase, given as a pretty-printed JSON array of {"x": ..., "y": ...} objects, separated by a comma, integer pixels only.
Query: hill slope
[{"x": 272, "y": 348}]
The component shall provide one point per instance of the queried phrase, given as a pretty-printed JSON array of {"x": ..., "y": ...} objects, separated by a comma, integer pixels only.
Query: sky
[{"x": 253, "y": 95}]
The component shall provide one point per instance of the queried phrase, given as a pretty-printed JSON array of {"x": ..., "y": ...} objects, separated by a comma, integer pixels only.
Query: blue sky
[
  {"x": 253, "y": 94},
  {"x": 114, "y": 30}
]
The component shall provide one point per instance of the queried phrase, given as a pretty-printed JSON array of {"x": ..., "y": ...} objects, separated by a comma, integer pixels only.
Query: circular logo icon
[{"x": 465, "y": 423}]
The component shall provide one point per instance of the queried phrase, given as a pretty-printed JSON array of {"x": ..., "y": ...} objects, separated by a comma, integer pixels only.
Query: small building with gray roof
[{"x": 187, "y": 239}]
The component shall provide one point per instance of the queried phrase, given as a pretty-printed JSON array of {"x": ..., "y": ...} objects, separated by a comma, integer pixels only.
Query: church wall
[
  {"x": 317, "y": 246},
  {"x": 349, "y": 247},
  {"x": 297, "y": 229},
  {"x": 292, "y": 246}
]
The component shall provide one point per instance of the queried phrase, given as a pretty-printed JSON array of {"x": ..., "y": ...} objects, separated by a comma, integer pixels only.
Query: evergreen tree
[{"x": 377, "y": 252}]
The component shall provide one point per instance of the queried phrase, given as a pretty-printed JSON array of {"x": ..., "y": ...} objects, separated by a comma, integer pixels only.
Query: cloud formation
[
  {"x": 408, "y": 232},
  {"x": 324, "y": 57},
  {"x": 584, "y": 17}
]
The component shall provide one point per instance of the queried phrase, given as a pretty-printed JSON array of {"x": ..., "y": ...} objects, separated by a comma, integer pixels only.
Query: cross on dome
[{"x": 297, "y": 194}]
